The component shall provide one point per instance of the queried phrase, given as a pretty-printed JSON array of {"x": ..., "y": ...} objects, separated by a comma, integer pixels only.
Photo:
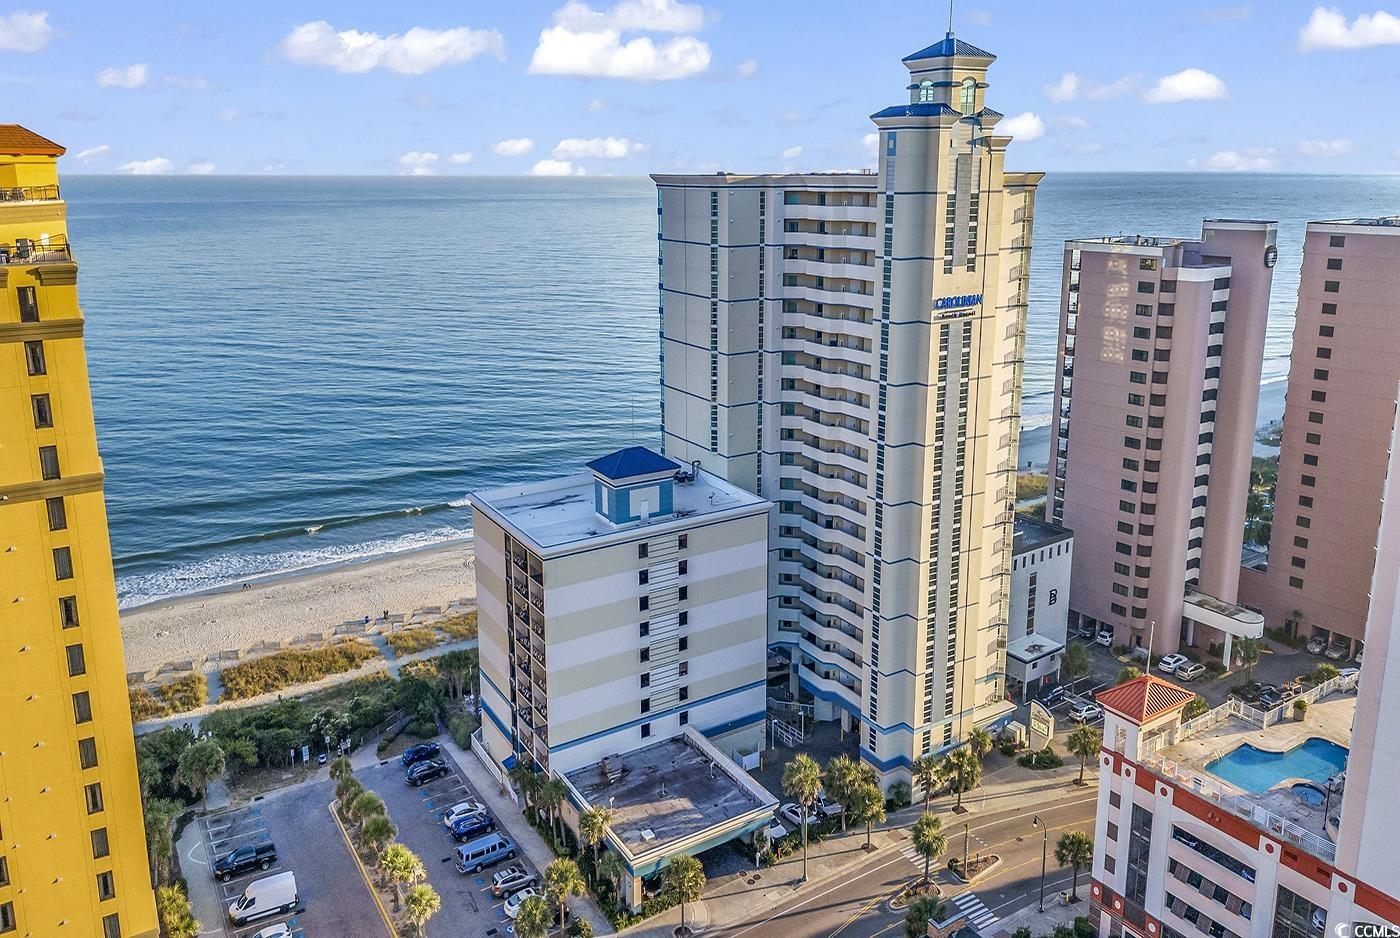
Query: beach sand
[{"x": 285, "y": 607}]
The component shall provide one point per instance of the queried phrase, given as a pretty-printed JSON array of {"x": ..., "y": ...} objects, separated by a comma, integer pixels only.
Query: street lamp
[{"x": 1044, "y": 852}]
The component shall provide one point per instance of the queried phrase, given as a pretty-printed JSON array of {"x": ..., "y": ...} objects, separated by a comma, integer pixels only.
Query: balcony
[
  {"x": 30, "y": 194},
  {"x": 54, "y": 250}
]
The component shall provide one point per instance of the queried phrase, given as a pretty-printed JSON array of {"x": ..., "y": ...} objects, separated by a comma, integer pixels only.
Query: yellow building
[{"x": 72, "y": 842}]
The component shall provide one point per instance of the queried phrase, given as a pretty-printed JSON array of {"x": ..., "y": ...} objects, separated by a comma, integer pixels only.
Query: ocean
[{"x": 290, "y": 372}]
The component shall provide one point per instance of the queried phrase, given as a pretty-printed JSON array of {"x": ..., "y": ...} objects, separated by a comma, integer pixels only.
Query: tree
[
  {"x": 929, "y": 839},
  {"x": 1085, "y": 741},
  {"x": 377, "y": 832},
  {"x": 802, "y": 781},
  {"x": 1075, "y": 664},
  {"x": 534, "y": 918},
  {"x": 980, "y": 742},
  {"x": 160, "y": 841},
  {"x": 843, "y": 777},
  {"x": 459, "y": 670},
  {"x": 1195, "y": 708},
  {"x": 928, "y": 775},
  {"x": 921, "y": 911},
  {"x": 401, "y": 868},
  {"x": 866, "y": 805},
  {"x": 1324, "y": 672},
  {"x": 562, "y": 879},
  {"x": 1128, "y": 673},
  {"x": 963, "y": 770},
  {"x": 176, "y": 914},
  {"x": 550, "y": 796},
  {"x": 1074, "y": 849},
  {"x": 421, "y": 904},
  {"x": 365, "y": 806},
  {"x": 610, "y": 870},
  {"x": 523, "y": 777},
  {"x": 340, "y": 768},
  {"x": 330, "y": 727},
  {"x": 346, "y": 791},
  {"x": 1247, "y": 654},
  {"x": 240, "y": 752},
  {"x": 593, "y": 824},
  {"x": 201, "y": 763},
  {"x": 684, "y": 880}
]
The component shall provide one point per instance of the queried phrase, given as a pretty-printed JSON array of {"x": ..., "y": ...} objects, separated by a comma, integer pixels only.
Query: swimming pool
[{"x": 1258, "y": 770}]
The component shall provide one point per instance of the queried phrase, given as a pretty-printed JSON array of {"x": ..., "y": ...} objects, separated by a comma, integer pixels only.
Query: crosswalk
[{"x": 978, "y": 915}]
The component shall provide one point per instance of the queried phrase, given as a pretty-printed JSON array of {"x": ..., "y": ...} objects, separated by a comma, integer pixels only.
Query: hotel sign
[
  {"x": 966, "y": 301},
  {"x": 1042, "y": 726}
]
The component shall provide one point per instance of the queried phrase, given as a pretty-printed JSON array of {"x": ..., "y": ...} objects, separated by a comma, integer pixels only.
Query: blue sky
[{"x": 641, "y": 86}]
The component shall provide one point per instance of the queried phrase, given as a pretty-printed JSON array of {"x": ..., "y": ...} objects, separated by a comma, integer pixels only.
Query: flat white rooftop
[{"x": 559, "y": 513}]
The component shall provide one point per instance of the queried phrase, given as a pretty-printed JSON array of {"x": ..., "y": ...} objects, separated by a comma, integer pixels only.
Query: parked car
[
  {"x": 1052, "y": 695},
  {"x": 245, "y": 860},
  {"x": 1270, "y": 697},
  {"x": 1105, "y": 637},
  {"x": 512, "y": 906},
  {"x": 281, "y": 930},
  {"x": 827, "y": 808},
  {"x": 775, "y": 831},
  {"x": 1084, "y": 711},
  {"x": 420, "y": 753},
  {"x": 511, "y": 880},
  {"x": 476, "y": 855},
  {"x": 1188, "y": 672},
  {"x": 460, "y": 810},
  {"x": 267, "y": 896},
  {"x": 1316, "y": 645},
  {"x": 792, "y": 813},
  {"x": 1337, "y": 650},
  {"x": 1348, "y": 672},
  {"x": 1357, "y": 656},
  {"x": 424, "y": 772},
  {"x": 1085, "y": 630},
  {"x": 1169, "y": 663},
  {"x": 472, "y": 825}
]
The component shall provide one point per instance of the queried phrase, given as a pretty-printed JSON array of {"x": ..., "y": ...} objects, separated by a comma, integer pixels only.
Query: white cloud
[
  {"x": 82, "y": 156},
  {"x": 602, "y": 148},
  {"x": 188, "y": 82},
  {"x": 556, "y": 168},
  {"x": 792, "y": 153},
  {"x": 588, "y": 42},
  {"x": 21, "y": 31},
  {"x": 1066, "y": 88},
  {"x": 596, "y": 105},
  {"x": 460, "y": 159},
  {"x": 1024, "y": 127},
  {"x": 414, "y": 52},
  {"x": 419, "y": 162},
  {"x": 133, "y": 76},
  {"x": 515, "y": 146},
  {"x": 1327, "y": 28},
  {"x": 1247, "y": 160},
  {"x": 1070, "y": 86},
  {"x": 871, "y": 142},
  {"x": 1070, "y": 122},
  {"x": 152, "y": 167},
  {"x": 1339, "y": 147},
  {"x": 1190, "y": 84},
  {"x": 202, "y": 169},
  {"x": 747, "y": 68}
]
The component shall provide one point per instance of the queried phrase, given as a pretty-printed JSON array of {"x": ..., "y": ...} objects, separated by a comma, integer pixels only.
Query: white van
[
  {"x": 477, "y": 855},
  {"x": 266, "y": 896}
]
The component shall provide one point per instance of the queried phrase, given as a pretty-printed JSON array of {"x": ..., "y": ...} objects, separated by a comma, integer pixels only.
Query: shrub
[
  {"x": 900, "y": 795},
  {"x": 186, "y": 692},
  {"x": 1120, "y": 650},
  {"x": 1300, "y": 708},
  {"x": 1023, "y": 932},
  {"x": 1008, "y": 747},
  {"x": 1195, "y": 708},
  {"x": 294, "y": 666},
  {"x": 461, "y": 726},
  {"x": 459, "y": 628},
  {"x": 1045, "y": 758},
  {"x": 1031, "y": 485},
  {"x": 1083, "y": 928},
  {"x": 411, "y": 641},
  {"x": 1324, "y": 672}
]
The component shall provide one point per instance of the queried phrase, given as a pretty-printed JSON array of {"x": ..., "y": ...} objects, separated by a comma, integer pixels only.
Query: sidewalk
[
  {"x": 504, "y": 809},
  {"x": 1043, "y": 923},
  {"x": 209, "y": 908}
]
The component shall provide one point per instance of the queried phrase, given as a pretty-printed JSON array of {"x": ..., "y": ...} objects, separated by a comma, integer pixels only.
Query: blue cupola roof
[
  {"x": 632, "y": 462},
  {"x": 947, "y": 47}
]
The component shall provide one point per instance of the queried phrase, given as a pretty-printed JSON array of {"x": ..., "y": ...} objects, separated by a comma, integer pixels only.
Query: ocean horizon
[{"x": 289, "y": 372}]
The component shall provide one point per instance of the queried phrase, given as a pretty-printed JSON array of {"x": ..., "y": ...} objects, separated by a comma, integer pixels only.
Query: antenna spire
[{"x": 950, "y": 17}]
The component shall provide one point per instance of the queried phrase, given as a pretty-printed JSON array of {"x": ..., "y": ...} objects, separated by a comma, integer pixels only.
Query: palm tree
[
  {"x": 376, "y": 833},
  {"x": 458, "y": 670},
  {"x": 401, "y": 868},
  {"x": 685, "y": 881},
  {"x": 1247, "y": 654},
  {"x": 593, "y": 825},
  {"x": 802, "y": 781},
  {"x": 523, "y": 777},
  {"x": 550, "y": 796},
  {"x": 963, "y": 770},
  {"x": 610, "y": 870},
  {"x": 534, "y": 918},
  {"x": 201, "y": 763},
  {"x": 346, "y": 791},
  {"x": 365, "y": 806},
  {"x": 843, "y": 777},
  {"x": 176, "y": 913},
  {"x": 421, "y": 904},
  {"x": 866, "y": 805},
  {"x": 980, "y": 742},
  {"x": 928, "y": 775},
  {"x": 562, "y": 879},
  {"x": 340, "y": 768},
  {"x": 1075, "y": 664},
  {"x": 1085, "y": 742},
  {"x": 929, "y": 839},
  {"x": 160, "y": 840},
  {"x": 1074, "y": 849}
]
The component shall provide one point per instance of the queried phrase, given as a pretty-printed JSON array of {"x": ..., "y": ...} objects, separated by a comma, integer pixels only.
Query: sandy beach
[{"x": 285, "y": 607}]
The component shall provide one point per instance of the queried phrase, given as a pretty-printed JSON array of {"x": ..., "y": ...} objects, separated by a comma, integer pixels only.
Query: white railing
[{"x": 1233, "y": 706}]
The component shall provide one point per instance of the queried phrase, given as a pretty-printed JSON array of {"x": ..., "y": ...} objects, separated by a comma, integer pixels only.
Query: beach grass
[
  {"x": 293, "y": 666},
  {"x": 184, "y": 693},
  {"x": 459, "y": 628},
  {"x": 1031, "y": 485},
  {"x": 412, "y": 641}
]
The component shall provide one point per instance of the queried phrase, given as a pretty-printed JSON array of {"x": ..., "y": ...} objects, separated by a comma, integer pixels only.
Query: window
[
  {"x": 1127, "y": 485},
  {"x": 1313, "y": 439},
  {"x": 683, "y": 618},
  {"x": 1130, "y": 464},
  {"x": 683, "y": 668},
  {"x": 683, "y": 567},
  {"x": 641, "y": 551},
  {"x": 1125, "y": 527},
  {"x": 1327, "y": 332},
  {"x": 82, "y": 707},
  {"x": 34, "y": 358},
  {"x": 1135, "y": 399},
  {"x": 1146, "y": 286},
  {"x": 1337, "y": 241},
  {"x": 1296, "y": 582},
  {"x": 1142, "y": 309},
  {"x": 685, "y": 717},
  {"x": 100, "y": 848},
  {"x": 645, "y": 655},
  {"x": 1305, "y": 501},
  {"x": 106, "y": 888},
  {"x": 1137, "y": 377},
  {"x": 683, "y": 540},
  {"x": 93, "y": 794},
  {"x": 683, "y": 592},
  {"x": 643, "y": 576},
  {"x": 1127, "y": 506},
  {"x": 684, "y": 643},
  {"x": 77, "y": 665},
  {"x": 1310, "y": 459},
  {"x": 1334, "y": 263},
  {"x": 1300, "y": 542},
  {"x": 644, "y": 603},
  {"x": 58, "y": 515},
  {"x": 968, "y": 99},
  {"x": 1299, "y": 562},
  {"x": 1121, "y": 569},
  {"x": 1331, "y": 286},
  {"x": 28, "y": 304},
  {"x": 1112, "y": 831},
  {"x": 1132, "y": 442},
  {"x": 1139, "y": 355},
  {"x": 926, "y": 91},
  {"x": 1134, "y": 421},
  {"x": 1142, "y": 332},
  {"x": 48, "y": 462},
  {"x": 7, "y": 917},
  {"x": 646, "y": 730},
  {"x": 685, "y": 693},
  {"x": 1304, "y": 521},
  {"x": 111, "y": 926},
  {"x": 43, "y": 411},
  {"x": 1320, "y": 374},
  {"x": 644, "y": 629},
  {"x": 1314, "y": 416},
  {"x": 63, "y": 563},
  {"x": 4, "y": 872},
  {"x": 68, "y": 611},
  {"x": 1329, "y": 309},
  {"x": 1115, "y": 799},
  {"x": 87, "y": 753}
]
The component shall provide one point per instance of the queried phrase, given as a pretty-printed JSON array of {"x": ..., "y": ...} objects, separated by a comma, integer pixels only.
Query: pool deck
[{"x": 1329, "y": 719}]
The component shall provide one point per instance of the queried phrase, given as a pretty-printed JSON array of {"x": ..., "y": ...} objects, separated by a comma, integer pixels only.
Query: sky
[{"x": 638, "y": 86}]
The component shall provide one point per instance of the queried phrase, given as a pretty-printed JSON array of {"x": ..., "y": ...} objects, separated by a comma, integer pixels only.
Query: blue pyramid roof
[
  {"x": 948, "y": 47},
  {"x": 632, "y": 462}
]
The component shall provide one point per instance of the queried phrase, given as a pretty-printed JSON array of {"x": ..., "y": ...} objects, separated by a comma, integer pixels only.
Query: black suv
[
  {"x": 423, "y": 772},
  {"x": 420, "y": 752},
  {"x": 245, "y": 860}
]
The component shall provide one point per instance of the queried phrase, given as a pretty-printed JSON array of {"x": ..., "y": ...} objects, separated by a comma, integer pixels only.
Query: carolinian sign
[
  {"x": 1042, "y": 726},
  {"x": 957, "y": 302}
]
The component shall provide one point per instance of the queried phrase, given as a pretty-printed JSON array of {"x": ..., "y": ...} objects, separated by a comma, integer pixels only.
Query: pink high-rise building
[
  {"x": 1336, "y": 436},
  {"x": 1156, "y": 398}
]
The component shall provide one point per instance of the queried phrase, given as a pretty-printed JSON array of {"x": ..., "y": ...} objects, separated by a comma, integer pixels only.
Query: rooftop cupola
[
  {"x": 633, "y": 484},
  {"x": 950, "y": 72}
]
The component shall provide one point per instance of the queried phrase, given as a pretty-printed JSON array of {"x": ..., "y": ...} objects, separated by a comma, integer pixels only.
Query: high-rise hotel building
[
  {"x": 849, "y": 346},
  {"x": 72, "y": 842},
  {"x": 1157, "y": 390},
  {"x": 1332, "y": 465}
]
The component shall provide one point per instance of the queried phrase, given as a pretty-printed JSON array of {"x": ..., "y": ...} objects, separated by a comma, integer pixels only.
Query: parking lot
[
  {"x": 468, "y": 908},
  {"x": 334, "y": 901}
]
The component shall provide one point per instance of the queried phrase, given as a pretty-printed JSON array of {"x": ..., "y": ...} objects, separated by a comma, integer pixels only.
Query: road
[{"x": 855, "y": 903}]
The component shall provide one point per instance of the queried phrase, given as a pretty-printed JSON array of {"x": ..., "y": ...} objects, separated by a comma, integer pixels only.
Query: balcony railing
[
  {"x": 30, "y": 194},
  {"x": 29, "y": 251}
]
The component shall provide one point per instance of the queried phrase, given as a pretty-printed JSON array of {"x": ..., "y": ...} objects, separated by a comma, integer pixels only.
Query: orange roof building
[
  {"x": 1144, "y": 699},
  {"x": 21, "y": 141}
]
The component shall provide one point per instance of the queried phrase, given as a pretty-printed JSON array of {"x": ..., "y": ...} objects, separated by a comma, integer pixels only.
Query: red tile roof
[
  {"x": 20, "y": 141},
  {"x": 1144, "y": 698}
]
